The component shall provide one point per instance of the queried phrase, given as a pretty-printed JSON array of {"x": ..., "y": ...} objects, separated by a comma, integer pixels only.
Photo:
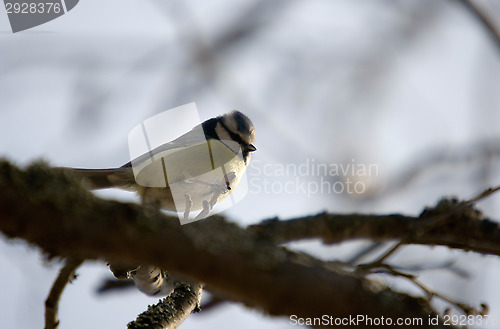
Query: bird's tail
[{"x": 122, "y": 177}]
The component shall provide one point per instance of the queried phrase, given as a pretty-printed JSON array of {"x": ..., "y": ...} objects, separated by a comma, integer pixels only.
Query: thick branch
[
  {"x": 52, "y": 212},
  {"x": 171, "y": 311},
  {"x": 465, "y": 229}
]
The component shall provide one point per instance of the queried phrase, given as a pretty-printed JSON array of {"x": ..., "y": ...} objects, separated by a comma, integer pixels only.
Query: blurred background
[{"x": 406, "y": 89}]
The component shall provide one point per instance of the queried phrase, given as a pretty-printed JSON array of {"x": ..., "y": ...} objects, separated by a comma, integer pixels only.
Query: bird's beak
[{"x": 251, "y": 148}]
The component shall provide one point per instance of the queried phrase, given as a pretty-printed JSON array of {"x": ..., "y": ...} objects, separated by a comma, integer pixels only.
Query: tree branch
[
  {"x": 66, "y": 274},
  {"x": 51, "y": 211},
  {"x": 463, "y": 228},
  {"x": 384, "y": 268},
  {"x": 171, "y": 311},
  {"x": 485, "y": 21}
]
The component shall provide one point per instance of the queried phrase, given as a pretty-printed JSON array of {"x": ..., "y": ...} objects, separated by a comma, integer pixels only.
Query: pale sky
[{"x": 334, "y": 82}]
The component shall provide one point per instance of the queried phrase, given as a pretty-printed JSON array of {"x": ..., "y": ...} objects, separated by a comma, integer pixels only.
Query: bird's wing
[
  {"x": 124, "y": 177},
  {"x": 195, "y": 136}
]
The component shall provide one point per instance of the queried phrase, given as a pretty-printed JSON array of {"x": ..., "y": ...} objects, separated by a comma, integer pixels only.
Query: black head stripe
[
  {"x": 243, "y": 123},
  {"x": 209, "y": 128},
  {"x": 236, "y": 137},
  {"x": 210, "y": 132}
]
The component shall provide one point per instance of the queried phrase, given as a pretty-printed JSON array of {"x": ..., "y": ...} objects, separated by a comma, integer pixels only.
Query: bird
[
  {"x": 205, "y": 162},
  {"x": 191, "y": 173}
]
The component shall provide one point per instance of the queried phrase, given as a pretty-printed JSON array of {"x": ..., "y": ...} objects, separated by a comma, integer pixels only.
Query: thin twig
[
  {"x": 66, "y": 274},
  {"x": 379, "y": 261},
  {"x": 389, "y": 252},
  {"x": 447, "y": 265},
  {"x": 486, "y": 193},
  {"x": 387, "y": 269},
  {"x": 484, "y": 20},
  {"x": 365, "y": 251}
]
